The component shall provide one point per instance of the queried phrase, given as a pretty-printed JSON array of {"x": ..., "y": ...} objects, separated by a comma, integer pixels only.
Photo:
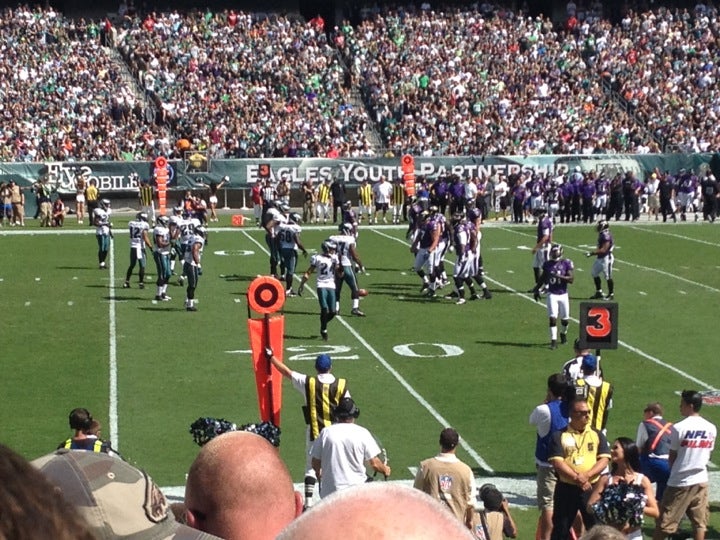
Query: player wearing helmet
[
  {"x": 347, "y": 253},
  {"x": 192, "y": 265},
  {"x": 604, "y": 262},
  {"x": 328, "y": 267},
  {"x": 161, "y": 255},
  {"x": 288, "y": 238},
  {"x": 275, "y": 216},
  {"x": 348, "y": 216},
  {"x": 557, "y": 273},
  {"x": 542, "y": 245},
  {"x": 103, "y": 230},
  {"x": 139, "y": 240}
]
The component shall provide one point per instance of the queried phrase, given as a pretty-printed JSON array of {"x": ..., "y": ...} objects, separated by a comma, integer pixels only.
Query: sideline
[{"x": 433, "y": 412}]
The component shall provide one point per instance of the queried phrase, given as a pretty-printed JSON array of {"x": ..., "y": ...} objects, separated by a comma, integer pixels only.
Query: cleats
[
  {"x": 126, "y": 285},
  {"x": 357, "y": 312}
]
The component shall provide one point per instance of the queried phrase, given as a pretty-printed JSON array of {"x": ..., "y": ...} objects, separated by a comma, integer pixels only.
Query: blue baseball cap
[
  {"x": 589, "y": 362},
  {"x": 323, "y": 363}
]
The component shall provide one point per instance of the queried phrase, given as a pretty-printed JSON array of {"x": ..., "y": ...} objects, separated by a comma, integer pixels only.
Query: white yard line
[
  {"x": 653, "y": 230},
  {"x": 414, "y": 393},
  {"x": 112, "y": 346}
]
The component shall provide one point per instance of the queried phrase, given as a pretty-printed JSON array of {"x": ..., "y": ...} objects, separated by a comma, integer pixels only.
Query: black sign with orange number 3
[
  {"x": 598, "y": 325},
  {"x": 266, "y": 295}
]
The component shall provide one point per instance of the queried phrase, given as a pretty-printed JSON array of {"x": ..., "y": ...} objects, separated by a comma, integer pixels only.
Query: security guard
[
  {"x": 579, "y": 453},
  {"x": 81, "y": 421}
]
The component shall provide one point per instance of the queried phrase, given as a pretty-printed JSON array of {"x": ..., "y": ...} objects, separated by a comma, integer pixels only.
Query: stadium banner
[{"x": 124, "y": 176}]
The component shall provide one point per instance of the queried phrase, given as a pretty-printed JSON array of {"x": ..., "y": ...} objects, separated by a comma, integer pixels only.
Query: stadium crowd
[{"x": 447, "y": 82}]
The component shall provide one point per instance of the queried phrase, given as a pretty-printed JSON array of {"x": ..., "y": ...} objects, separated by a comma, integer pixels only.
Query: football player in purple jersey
[
  {"x": 465, "y": 258},
  {"x": 587, "y": 195},
  {"x": 604, "y": 263},
  {"x": 544, "y": 240},
  {"x": 474, "y": 221},
  {"x": 602, "y": 195},
  {"x": 424, "y": 244},
  {"x": 558, "y": 272},
  {"x": 438, "y": 277}
]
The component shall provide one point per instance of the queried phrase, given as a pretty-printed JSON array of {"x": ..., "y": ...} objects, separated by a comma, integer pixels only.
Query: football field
[{"x": 73, "y": 337}]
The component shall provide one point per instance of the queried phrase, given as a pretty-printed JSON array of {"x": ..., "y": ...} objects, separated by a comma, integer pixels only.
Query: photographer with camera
[{"x": 496, "y": 520}]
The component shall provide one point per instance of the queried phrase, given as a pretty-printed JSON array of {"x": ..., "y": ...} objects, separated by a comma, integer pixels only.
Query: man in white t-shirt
[
  {"x": 382, "y": 192},
  {"x": 692, "y": 441},
  {"x": 341, "y": 451}
]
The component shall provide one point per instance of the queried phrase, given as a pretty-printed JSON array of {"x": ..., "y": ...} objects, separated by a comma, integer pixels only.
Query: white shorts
[
  {"x": 422, "y": 260},
  {"x": 601, "y": 201},
  {"x": 213, "y": 199},
  {"x": 685, "y": 199},
  {"x": 80, "y": 197},
  {"x": 603, "y": 267},
  {"x": 540, "y": 256},
  {"x": 464, "y": 266},
  {"x": 558, "y": 306}
]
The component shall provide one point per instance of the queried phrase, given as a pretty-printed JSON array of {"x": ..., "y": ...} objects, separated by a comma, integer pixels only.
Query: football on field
[{"x": 362, "y": 292}]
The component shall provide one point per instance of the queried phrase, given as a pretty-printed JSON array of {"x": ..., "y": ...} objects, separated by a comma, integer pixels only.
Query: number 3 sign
[{"x": 598, "y": 325}]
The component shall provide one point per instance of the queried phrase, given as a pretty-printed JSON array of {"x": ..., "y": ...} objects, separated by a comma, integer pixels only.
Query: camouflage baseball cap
[{"x": 116, "y": 499}]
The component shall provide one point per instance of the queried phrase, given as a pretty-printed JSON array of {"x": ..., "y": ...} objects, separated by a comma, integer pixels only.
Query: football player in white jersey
[
  {"x": 347, "y": 253},
  {"x": 161, "y": 255},
  {"x": 186, "y": 227},
  {"x": 274, "y": 216},
  {"x": 288, "y": 238},
  {"x": 103, "y": 230},
  {"x": 192, "y": 267},
  {"x": 139, "y": 240},
  {"x": 174, "y": 227},
  {"x": 327, "y": 266}
]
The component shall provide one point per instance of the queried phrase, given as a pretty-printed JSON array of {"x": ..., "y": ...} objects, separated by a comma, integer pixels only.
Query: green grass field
[{"x": 71, "y": 336}]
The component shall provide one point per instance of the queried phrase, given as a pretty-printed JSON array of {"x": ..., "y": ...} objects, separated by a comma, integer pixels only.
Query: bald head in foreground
[
  {"x": 379, "y": 511},
  {"x": 238, "y": 487}
]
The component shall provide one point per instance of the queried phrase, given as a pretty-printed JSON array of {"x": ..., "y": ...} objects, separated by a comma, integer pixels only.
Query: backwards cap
[
  {"x": 116, "y": 499},
  {"x": 323, "y": 363}
]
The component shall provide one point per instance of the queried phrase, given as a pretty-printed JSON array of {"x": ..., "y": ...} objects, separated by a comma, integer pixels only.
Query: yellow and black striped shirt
[
  {"x": 146, "y": 195},
  {"x": 599, "y": 399},
  {"x": 322, "y": 398},
  {"x": 324, "y": 193},
  {"x": 365, "y": 194},
  {"x": 398, "y": 193}
]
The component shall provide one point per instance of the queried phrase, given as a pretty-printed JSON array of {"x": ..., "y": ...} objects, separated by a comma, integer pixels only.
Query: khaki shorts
[
  {"x": 678, "y": 501},
  {"x": 546, "y": 480}
]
